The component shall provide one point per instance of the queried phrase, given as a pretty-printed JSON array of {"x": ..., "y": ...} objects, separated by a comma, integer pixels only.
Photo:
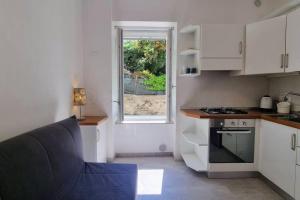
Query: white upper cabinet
[
  {"x": 222, "y": 40},
  {"x": 222, "y": 46},
  {"x": 265, "y": 46},
  {"x": 293, "y": 41},
  {"x": 277, "y": 158}
]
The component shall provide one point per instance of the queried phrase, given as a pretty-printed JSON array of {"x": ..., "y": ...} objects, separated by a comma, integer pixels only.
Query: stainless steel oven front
[{"x": 230, "y": 143}]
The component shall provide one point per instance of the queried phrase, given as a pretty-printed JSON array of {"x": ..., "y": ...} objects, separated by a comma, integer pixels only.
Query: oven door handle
[{"x": 234, "y": 132}]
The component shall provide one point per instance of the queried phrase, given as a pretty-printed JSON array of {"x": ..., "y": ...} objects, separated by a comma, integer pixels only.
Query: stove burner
[{"x": 223, "y": 111}]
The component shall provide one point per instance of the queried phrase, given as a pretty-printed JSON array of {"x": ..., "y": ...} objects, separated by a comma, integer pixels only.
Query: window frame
[{"x": 169, "y": 31}]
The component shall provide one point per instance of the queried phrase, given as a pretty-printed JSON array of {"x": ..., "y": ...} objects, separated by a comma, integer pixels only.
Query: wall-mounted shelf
[
  {"x": 191, "y": 52},
  {"x": 194, "y": 138},
  {"x": 194, "y": 143},
  {"x": 192, "y": 161},
  {"x": 213, "y": 47},
  {"x": 190, "y": 29},
  {"x": 190, "y": 75}
]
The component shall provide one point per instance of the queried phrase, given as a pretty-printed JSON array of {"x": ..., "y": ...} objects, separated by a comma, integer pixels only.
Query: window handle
[
  {"x": 241, "y": 47},
  {"x": 287, "y": 61}
]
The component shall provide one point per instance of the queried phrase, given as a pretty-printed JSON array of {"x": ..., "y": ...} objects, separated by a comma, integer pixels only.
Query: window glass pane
[{"x": 144, "y": 79}]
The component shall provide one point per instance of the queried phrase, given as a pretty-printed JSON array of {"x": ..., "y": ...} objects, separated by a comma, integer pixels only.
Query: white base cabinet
[
  {"x": 94, "y": 142},
  {"x": 277, "y": 159},
  {"x": 297, "y": 187},
  {"x": 194, "y": 142}
]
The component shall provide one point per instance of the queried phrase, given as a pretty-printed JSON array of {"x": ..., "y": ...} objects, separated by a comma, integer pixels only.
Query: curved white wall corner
[{"x": 40, "y": 62}]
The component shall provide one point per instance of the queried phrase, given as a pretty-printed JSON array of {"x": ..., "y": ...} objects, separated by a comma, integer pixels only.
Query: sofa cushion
[
  {"x": 41, "y": 164},
  {"x": 62, "y": 142},
  {"x": 25, "y": 170},
  {"x": 105, "y": 182}
]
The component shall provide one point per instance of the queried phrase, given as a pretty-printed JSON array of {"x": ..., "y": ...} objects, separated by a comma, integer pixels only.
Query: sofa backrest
[{"x": 42, "y": 164}]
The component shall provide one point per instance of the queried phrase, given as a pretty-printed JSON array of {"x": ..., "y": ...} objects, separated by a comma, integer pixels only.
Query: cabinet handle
[
  {"x": 293, "y": 142},
  {"x": 241, "y": 47},
  {"x": 282, "y": 61},
  {"x": 287, "y": 61}
]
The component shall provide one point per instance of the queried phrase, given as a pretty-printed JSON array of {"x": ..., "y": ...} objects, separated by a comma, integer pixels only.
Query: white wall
[
  {"x": 212, "y": 88},
  {"x": 40, "y": 61},
  {"x": 280, "y": 86},
  {"x": 97, "y": 61}
]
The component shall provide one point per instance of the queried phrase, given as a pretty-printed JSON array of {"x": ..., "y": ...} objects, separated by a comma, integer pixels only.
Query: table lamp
[{"x": 80, "y": 100}]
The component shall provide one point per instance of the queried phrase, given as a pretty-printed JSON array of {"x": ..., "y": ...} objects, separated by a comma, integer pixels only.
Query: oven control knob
[
  {"x": 233, "y": 123},
  {"x": 221, "y": 124}
]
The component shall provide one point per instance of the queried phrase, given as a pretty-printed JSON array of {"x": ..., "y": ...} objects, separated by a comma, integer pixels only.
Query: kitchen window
[{"x": 145, "y": 74}]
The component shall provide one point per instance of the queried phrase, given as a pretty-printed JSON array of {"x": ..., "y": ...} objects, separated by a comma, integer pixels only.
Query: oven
[{"x": 231, "y": 142}]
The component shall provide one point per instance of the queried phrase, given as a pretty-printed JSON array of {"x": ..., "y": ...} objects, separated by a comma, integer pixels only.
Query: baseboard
[
  {"x": 231, "y": 175},
  {"x": 277, "y": 189},
  {"x": 158, "y": 154}
]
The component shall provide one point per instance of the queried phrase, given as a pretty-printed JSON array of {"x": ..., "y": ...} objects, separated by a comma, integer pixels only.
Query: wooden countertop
[
  {"x": 196, "y": 113},
  {"x": 281, "y": 121},
  {"x": 252, "y": 114},
  {"x": 92, "y": 120}
]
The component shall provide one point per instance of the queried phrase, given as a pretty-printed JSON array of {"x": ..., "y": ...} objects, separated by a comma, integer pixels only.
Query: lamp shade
[{"x": 79, "y": 96}]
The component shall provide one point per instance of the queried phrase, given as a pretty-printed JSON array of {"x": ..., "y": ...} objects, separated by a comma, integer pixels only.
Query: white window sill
[{"x": 145, "y": 120}]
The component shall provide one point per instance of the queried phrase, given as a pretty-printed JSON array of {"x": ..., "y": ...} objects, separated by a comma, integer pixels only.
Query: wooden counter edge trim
[
  {"x": 281, "y": 121},
  {"x": 198, "y": 114},
  {"x": 201, "y": 115},
  {"x": 93, "y": 120}
]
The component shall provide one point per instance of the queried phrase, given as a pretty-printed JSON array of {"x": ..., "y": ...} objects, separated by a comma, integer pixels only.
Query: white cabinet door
[
  {"x": 89, "y": 143},
  {"x": 221, "y": 46},
  {"x": 265, "y": 45},
  {"x": 297, "y": 187},
  {"x": 94, "y": 142},
  {"x": 222, "y": 40},
  {"x": 293, "y": 41},
  {"x": 277, "y": 160},
  {"x": 101, "y": 142}
]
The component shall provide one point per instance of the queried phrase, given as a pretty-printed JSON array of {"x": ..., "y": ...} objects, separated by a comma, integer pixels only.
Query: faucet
[{"x": 290, "y": 93}]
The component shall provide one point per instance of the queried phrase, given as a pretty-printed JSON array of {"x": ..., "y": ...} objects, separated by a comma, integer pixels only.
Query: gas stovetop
[{"x": 226, "y": 111}]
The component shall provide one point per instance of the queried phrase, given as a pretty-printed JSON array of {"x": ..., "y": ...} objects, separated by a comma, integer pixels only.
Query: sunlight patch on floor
[{"x": 150, "y": 181}]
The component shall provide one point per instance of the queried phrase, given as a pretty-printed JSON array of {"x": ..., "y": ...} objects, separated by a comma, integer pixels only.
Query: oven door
[{"x": 231, "y": 145}]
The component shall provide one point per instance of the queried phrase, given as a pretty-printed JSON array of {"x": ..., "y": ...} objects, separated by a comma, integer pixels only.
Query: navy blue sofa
[{"x": 47, "y": 164}]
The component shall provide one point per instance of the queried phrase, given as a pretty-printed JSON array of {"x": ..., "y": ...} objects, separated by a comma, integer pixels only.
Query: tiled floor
[{"x": 180, "y": 183}]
